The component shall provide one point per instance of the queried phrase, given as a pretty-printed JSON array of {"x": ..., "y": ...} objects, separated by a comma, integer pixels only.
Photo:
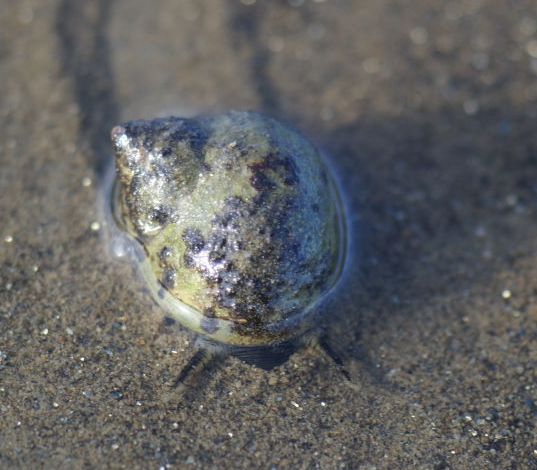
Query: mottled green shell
[{"x": 239, "y": 218}]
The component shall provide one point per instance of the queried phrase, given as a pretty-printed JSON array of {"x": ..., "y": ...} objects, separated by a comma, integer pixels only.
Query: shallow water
[{"x": 428, "y": 115}]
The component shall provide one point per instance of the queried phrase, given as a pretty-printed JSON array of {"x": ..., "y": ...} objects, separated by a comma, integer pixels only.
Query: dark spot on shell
[
  {"x": 209, "y": 325},
  {"x": 188, "y": 260},
  {"x": 228, "y": 281},
  {"x": 161, "y": 293},
  {"x": 165, "y": 253},
  {"x": 291, "y": 172},
  {"x": 279, "y": 164},
  {"x": 136, "y": 184},
  {"x": 293, "y": 250},
  {"x": 161, "y": 215},
  {"x": 191, "y": 131},
  {"x": 194, "y": 240},
  {"x": 259, "y": 180},
  {"x": 148, "y": 143},
  {"x": 216, "y": 257},
  {"x": 169, "y": 321},
  {"x": 168, "y": 278},
  {"x": 135, "y": 129},
  {"x": 167, "y": 132},
  {"x": 235, "y": 208},
  {"x": 166, "y": 151}
]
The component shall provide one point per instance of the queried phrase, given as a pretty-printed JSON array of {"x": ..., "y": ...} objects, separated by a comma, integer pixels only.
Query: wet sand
[{"x": 428, "y": 113}]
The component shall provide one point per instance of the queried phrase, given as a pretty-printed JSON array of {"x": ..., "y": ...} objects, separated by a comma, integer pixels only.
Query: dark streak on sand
[{"x": 85, "y": 56}]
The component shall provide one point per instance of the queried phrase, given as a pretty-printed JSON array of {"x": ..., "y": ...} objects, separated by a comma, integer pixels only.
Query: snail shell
[{"x": 239, "y": 218}]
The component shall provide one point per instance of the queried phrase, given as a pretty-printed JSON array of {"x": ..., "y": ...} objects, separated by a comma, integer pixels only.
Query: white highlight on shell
[{"x": 123, "y": 141}]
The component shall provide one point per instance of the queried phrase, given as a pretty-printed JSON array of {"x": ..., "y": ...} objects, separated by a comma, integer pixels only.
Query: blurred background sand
[{"x": 428, "y": 113}]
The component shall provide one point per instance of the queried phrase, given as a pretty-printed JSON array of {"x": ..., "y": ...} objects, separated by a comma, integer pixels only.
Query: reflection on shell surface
[{"x": 239, "y": 218}]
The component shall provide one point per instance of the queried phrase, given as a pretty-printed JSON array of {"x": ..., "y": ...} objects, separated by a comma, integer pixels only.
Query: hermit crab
[{"x": 240, "y": 223}]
